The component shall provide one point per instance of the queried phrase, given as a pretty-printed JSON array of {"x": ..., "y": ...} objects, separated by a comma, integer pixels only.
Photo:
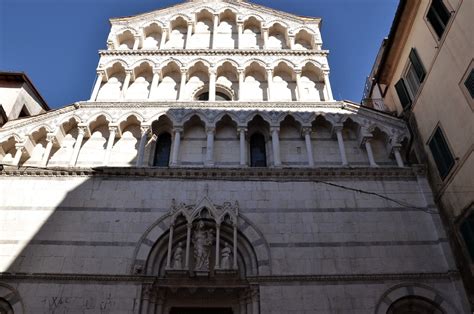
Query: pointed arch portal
[{"x": 201, "y": 257}]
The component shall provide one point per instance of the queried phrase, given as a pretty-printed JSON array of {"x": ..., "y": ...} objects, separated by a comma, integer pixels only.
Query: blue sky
[{"x": 56, "y": 41}]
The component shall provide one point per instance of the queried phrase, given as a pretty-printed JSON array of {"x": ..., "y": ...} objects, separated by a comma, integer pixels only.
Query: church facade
[{"x": 212, "y": 171}]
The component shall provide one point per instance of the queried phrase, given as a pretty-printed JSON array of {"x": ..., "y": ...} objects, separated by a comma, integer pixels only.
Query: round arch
[
  {"x": 11, "y": 295},
  {"x": 400, "y": 291}
]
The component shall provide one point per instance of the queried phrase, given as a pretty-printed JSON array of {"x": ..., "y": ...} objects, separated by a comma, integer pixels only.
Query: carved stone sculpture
[
  {"x": 178, "y": 257},
  {"x": 202, "y": 241},
  {"x": 226, "y": 257}
]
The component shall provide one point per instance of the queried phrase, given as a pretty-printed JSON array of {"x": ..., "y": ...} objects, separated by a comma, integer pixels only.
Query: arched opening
[
  {"x": 178, "y": 31},
  {"x": 414, "y": 305},
  {"x": 169, "y": 87},
  {"x": 125, "y": 40},
  {"x": 226, "y": 35},
  {"x": 162, "y": 150},
  {"x": 203, "y": 29},
  {"x": 252, "y": 34},
  {"x": 92, "y": 152},
  {"x": 61, "y": 155},
  {"x": 198, "y": 81},
  {"x": 284, "y": 83},
  {"x": 277, "y": 37},
  {"x": 227, "y": 81},
  {"x": 292, "y": 144},
  {"x": 325, "y": 147},
  {"x": 226, "y": 144},
  {"x": 258, "y": 154},
  {"x": 312, "y": 83},
  {"x": 153, "y": 34},
  {"x": 140, "y": 87},
  {"x": 303, "y": 40},
  {"x": 193, "y": 148},
  {"x": 112, "y": 89},
  {"x": 125, "y": 150},
  {"x": 39, "y": 142},
  {"x": 255, "y": 84}
]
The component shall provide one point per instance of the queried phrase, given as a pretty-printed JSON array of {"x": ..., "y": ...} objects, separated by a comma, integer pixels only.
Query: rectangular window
[
  {"x": 469, "y": 83},
  {"x": 441, "y": 153},
  {"x": 408, "y": 85},
  {"x": 438, "y": 16},
  {"x": 467, "y": 232}
]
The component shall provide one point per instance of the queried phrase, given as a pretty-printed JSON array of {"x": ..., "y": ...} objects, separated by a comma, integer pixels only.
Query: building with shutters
[
  {"x": 211, "y": 171},
  {"x": 425, "y": 74}
]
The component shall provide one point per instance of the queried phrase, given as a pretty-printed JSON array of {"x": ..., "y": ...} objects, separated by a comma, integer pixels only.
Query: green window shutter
[
  {"x": 441, "y": 154},
  {"x": 417, "y": 64},
  {"x": 402, "y": 92}
]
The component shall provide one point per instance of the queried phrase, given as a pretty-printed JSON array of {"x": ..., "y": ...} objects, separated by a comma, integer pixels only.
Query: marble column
[
  {"x": 126, "y": 83},
  {"x": 164, "y": 36},
  {"x": 240, "y": 30},
  {"x": 218, "y": 251},
  {"x": 110, "y": 144},
  {"x": 170, "y": 247},
  {"x": 255, "y": 300},
  {"x": 98, "y": 83},
  {"x": 291, "y": 39},
  {"x": 265, "y": 38},
  {"x": 212, "y": 85},
  {"x": 398, "y": 156},
  {"x": 77, "y": 146},
  {"x": 340, "y": 142},
  {"x": 210, "y": 146},
  {"x": 327, "y": 87},
  {"x": 154, "y": 84},
  {"x": 299, "y": 86},
  {"x": 241, "y": 83},
  {"x": 188, "y": 35},
  {"x": 176, "y": 144},
  {"x": 20, "y": 149},
  {"x": 243, "y": 146},
  {"x": 182, "y": 86},
  {"x": 188, "y": 245},
  {"x": 234, "y": 261},
  {"x": 269, "y": 83},
  {"x": 276, "y": 146},
  {"x": 50, "y": 139},
  {"x": 370, "y": 153},
  {"x": 309, "y": 145},
  {"x": 141, "y": 146},
  {"x": 136, "y": 43},
  {"x": 215, "y": 31}
]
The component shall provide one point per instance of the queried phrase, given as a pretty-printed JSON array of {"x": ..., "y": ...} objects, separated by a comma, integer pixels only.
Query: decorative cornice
[
  {"x": 449, "y": 275},
  {"x": 214, "y": 52},
  {"x": 237, "y": 174}
]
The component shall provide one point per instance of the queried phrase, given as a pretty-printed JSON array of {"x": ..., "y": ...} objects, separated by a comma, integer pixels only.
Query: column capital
[
  {"x": 113, "y": 128},
  {"x": 212, "y": 71},
  {"x": 184, "y": 71},
  {"x": 298, "y": 71},
  {"x": 156, "y": 70},
  {"x": 190, "y": 23},
  {"x": 178, "y": 129},
  {"x": 364, "y": 136},
  {"x": 274, "y": 129},
  {"x": 210, "y": 129},
  {"x": 51, "y": 137},
  {"x": 100, "y": 72},
  {"x": 242, "y": 129},
  {"x": 145, "y": 129},
  {"x": 82, "y": 129},
  {"x": 306, "y": 130}
]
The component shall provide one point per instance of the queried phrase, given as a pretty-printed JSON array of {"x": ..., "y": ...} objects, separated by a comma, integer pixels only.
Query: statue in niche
[
  {"x": 226, "y": 256},
  {"x": 178, "y": 257},
  {"x": 202, "y": 241}
]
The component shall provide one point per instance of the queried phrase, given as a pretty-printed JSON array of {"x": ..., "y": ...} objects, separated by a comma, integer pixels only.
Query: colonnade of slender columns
[
  {"x": 212, "y": 85},
  {"x": 365, "y": 142},
  {"x": 217, "y": 248}
]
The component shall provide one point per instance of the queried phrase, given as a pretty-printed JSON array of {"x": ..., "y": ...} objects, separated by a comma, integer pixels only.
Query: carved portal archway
[{"x": 202, "y": 261}]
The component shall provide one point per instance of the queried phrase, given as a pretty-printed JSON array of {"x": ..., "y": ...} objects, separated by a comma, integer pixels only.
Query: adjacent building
[
  {"x": 425, "y": 74},
  {"x": 212, "y": 171}
]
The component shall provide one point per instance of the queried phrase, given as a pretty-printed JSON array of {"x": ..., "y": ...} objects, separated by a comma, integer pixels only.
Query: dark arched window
[
  {"x": 414, "y": 305},
  {"x": 162, "y": 151},
  {"x": 219, "y": 96},
  {"x": 258, "y": 155},
  {"x": 467, "y": 232}
]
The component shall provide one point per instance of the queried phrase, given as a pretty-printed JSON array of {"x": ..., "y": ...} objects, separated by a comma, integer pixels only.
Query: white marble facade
[{"x": 212, "y": 170}]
